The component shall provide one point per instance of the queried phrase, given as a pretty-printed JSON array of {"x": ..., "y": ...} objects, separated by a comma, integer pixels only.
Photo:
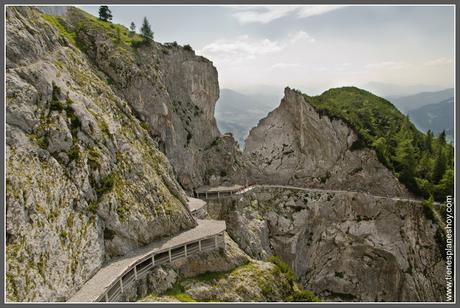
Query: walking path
[
  {"x": 195, "y": 204},
  {"x": 109, "y": 282}
]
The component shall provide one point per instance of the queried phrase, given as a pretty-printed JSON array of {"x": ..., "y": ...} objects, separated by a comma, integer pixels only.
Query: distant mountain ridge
[
  {"x": 238, "y": 113},
  {"x": 411, "y": 102},
  {"x": 436, "y": 117},
  {"x": 429, "y": 110}
]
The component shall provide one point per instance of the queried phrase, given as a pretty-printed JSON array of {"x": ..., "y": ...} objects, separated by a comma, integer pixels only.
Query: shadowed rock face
[
  {"x": 294, "y": 145},
  {"x": 85, "y": 181},
  {"x": 344, "y": 246}
]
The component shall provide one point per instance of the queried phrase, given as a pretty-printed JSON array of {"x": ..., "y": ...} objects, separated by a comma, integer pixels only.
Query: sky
[{"x": 390, "y": 50}]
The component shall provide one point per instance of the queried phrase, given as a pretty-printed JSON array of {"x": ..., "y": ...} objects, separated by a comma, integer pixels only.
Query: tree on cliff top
[
  {"x": 104, "y": 13},
  {"x": 132, "y": 28},
  {"x": 146, "y": 31}
]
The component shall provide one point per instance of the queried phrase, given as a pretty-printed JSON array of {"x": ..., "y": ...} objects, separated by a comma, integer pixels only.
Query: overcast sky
[{"x": 312, "y": 48}]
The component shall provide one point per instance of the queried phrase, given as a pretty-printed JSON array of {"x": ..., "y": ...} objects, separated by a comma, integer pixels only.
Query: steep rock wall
[
  {"x": 85, "y": 181},
  {"x": 345, "y": 246},
  {"x": 294, "y": 145},
  {"x": 172, "y": 90}
]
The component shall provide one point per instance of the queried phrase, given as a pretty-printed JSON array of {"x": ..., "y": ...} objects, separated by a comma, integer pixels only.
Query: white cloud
[
  {"x": 391, "y": 65},
  {"x": 299, "y": 36},
  {"x": 313, "y": 10},
  {"x": 266, "y": 14},
  {"x": 240, "y": 48},
  {"x": 439, "y": 61},
  {"x": 243, "y": 47},
  {"x": 262, "y": 14}
]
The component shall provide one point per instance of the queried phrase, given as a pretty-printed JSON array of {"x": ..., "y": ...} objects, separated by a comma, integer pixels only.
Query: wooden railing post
[
  {"x": 218, "y": 195},
  {"x": 199, "y": 245},
  {"x": 106, "y": 297},
  {"x": 206, "y": 195},
  {"x": 135, "y": 272},
  {"x": 215, "y": 241},
  {"x": 185, "y": 250},
  {"x": 169, "y": 252},
  {"x": 121, "y": 285},
  {"x": 153, "y": 260}
]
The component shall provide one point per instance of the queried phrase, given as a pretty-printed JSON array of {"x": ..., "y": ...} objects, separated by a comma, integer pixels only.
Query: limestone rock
[
  {"x": 294, "y": 145},
  {"x": 345, "y": 246},
  {"x": 85, "y": 181}
]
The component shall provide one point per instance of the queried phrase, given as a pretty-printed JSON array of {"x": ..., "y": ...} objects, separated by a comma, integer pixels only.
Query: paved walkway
[
  {"x": 109, "y": 275},
  {"x": 195, "y": 204},
  {"x": 244, "y": 190}
]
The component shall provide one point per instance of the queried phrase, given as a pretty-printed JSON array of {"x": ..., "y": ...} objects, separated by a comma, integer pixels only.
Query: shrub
[
  {"x": 284, "y": 268},
  {"x": 188, "y": 47},
  {"x": 74, "y": 153},
  {"x": 56, "y": 105},
  {"x": 303, "y": 296},
  {"x": 105, "y": 185}
]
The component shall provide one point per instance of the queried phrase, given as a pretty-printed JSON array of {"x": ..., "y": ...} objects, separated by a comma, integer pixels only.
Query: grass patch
[
  {"x": 177, "y": 291},
  {"x": 57, "y": 23}
]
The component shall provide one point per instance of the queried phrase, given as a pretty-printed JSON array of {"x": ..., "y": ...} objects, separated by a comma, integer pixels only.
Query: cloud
[
  {"x": 391, "y": 65},
  {"x": 439, "y": 61},
  {"x": 240, "y": 48},
  {"x": 262, "y": 14},
  {"x": 243, "y": 47},
  {"x": 266, "y": 14},
  {"x": 299, "y": 36},
  {"x": 313, "y": 10}
]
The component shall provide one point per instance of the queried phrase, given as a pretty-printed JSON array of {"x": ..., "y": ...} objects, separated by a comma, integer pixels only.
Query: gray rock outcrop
[
  {"x": 169, "y": 88},
  {"x": 294, "y": 145},
  {"x": 345, "y": 246},
  {"x": 85, "y": 180}
]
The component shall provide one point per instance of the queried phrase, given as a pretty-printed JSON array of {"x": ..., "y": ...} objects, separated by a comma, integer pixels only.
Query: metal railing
[{"x": 141, "y": 268}]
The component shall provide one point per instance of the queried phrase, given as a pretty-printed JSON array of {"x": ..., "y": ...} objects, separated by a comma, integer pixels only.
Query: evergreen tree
[
  {"x": 442, "y": 137},
  {"x": 439, "y": 166},
  {"x": 132, "y": 28},
  {"x": 146, "y": 31},
  {"x": 429, "y": 141},
  {"x": 405, "y": 156},
  {"x": 104, "y": 13}
]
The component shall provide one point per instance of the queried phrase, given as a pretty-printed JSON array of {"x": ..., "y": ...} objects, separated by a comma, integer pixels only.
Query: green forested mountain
[{"x": 423, "y": 162}]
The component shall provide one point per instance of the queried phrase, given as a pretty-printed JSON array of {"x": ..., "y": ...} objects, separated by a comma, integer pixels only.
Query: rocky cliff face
[
  {"x": 85, "y": 180},
  {"x": 171, "y": 90},
  {"x": 294, "y": 145},
  {"x": 345, "y": 246}
]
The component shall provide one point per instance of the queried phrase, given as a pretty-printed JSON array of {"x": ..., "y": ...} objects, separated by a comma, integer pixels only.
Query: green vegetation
[
  {"x": 104, "y": 13},
  {"x": 303, "y": 296},
  {"x": 58, "y": 23},
  {"x": 188, "y": 47},
  {"x": 146, "y": 31},
  {"x": 178, "y": 292},
  {"x": 424, "y": 163},
  {"x": 299, "y": 293},
  {"x": 105, "y": 185},
  {"x": 86, "y": 22}
]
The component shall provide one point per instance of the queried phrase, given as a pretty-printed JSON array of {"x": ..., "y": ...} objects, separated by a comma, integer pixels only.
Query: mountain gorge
[{"x": 108, "y": 135}]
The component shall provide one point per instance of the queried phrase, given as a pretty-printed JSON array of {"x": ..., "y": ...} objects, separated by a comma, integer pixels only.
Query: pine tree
[
  {"x": 132, "y": 28},
  {"x": 104, "y": 13},
  {"x": 442, "y": 137},
  {"x": 405, "y": 156},
  {"x": 146, "y": 31},
  {"x": 439, "y": 166},
  {"x": 429, "y": 141}
]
